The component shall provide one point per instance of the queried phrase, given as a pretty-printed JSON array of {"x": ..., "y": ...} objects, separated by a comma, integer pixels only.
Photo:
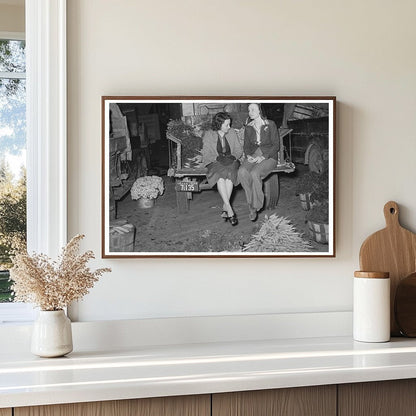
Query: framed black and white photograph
[{"x": 218, "y": 176}]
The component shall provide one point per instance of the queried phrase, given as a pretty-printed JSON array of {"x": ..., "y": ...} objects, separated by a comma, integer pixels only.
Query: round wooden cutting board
[{"x": 393, "y": 250}]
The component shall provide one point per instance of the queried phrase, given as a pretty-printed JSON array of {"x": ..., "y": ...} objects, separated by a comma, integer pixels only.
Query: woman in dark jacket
[
  {"x": 261, "y": 147},
  {"x": 221, "y": 151}
]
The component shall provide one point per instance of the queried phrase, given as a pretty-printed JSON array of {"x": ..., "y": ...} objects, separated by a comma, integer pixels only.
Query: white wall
[{"x": 363, "y": 52}]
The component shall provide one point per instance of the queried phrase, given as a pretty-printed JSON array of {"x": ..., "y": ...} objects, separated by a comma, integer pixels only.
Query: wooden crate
[{"x": 121, "y": 236}]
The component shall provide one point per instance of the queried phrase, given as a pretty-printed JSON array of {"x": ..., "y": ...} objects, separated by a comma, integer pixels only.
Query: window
[
  {"x": 46, "y": 135},
  {"x": 12, "y": 165},
  {"x": 12, "y": 155}
]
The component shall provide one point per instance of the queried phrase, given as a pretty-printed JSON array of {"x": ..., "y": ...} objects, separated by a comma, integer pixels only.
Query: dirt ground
[{"x": 163, "y": 229}]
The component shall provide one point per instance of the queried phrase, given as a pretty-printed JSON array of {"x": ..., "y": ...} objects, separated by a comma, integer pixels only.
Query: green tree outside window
[{"x": 12, "y": 154}]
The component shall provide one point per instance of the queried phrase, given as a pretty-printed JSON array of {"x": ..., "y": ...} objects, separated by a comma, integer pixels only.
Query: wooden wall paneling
[
  {"x": 163, "y": 406},
  {"x": 5, "y": 412},
  {"x": 299, "y": 401},
  {"x": 381, "y": 398}
]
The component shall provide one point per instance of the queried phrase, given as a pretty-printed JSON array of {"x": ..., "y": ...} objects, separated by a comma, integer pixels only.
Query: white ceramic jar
[{"x": 371, "y": 309}]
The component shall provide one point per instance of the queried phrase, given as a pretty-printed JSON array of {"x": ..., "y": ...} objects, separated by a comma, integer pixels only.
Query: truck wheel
[
  {"x": 271, "y": 191},
  {"x": 315, "y": 158}
]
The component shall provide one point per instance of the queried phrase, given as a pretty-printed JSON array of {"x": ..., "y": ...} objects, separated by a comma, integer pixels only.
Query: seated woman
[
  {"x": 221, "y": 151},
  {"x": 261, "y": 147}
]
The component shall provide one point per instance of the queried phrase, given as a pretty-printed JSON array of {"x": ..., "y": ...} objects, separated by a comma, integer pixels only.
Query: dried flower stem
[{"x": 53, "y": 285}]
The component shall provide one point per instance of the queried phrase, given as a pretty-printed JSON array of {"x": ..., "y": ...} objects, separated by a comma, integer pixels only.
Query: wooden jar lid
[{"x": 372, "y": 275}]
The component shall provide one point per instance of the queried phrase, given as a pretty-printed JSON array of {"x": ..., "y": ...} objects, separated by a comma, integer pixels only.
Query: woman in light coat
[{"x": 261, "y": 147}]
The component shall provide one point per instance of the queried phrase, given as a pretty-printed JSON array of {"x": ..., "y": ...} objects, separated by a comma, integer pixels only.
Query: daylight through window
[{"x": 12, "y": 156}]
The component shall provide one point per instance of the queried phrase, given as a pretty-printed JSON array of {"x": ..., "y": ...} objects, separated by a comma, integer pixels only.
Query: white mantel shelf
[{"x": 166, "y": 370}]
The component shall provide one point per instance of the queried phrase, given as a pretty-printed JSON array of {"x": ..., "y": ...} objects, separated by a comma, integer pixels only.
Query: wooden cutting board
[
  {"x": 393, "y": 250},
  {"x": 405, "y": 306}
]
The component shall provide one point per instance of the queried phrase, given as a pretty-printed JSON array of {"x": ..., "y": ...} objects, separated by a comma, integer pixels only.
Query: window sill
[{"x": 16, "y": 313}]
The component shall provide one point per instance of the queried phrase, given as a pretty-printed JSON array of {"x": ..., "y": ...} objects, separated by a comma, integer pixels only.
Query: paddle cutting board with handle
[{"x": 393, "y": 250}]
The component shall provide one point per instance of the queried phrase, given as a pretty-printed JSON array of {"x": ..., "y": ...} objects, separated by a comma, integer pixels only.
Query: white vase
[{"x": 52, "y": 334}]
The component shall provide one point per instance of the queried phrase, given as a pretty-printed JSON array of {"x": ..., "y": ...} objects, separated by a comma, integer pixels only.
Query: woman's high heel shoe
[
  {"x": 253, "y": 214},
  {"x": 233, "y": 220}
]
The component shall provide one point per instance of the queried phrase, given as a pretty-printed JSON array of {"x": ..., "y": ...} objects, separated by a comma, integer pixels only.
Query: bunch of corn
[{"x": 277, "y": 235}]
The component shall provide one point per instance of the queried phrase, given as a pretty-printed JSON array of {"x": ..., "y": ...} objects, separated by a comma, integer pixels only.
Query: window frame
[
  {"x": 46, "y": 138},
  {"x": 46, "y": 125}
]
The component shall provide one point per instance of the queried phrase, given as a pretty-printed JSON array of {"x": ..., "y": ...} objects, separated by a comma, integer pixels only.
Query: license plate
[{"x": 185, "y": 186}]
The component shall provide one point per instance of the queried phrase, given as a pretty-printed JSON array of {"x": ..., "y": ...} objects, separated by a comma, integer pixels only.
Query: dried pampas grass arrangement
[
  {"x": 53, "y": 285},
  {"x": 277, "y": 234}
]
